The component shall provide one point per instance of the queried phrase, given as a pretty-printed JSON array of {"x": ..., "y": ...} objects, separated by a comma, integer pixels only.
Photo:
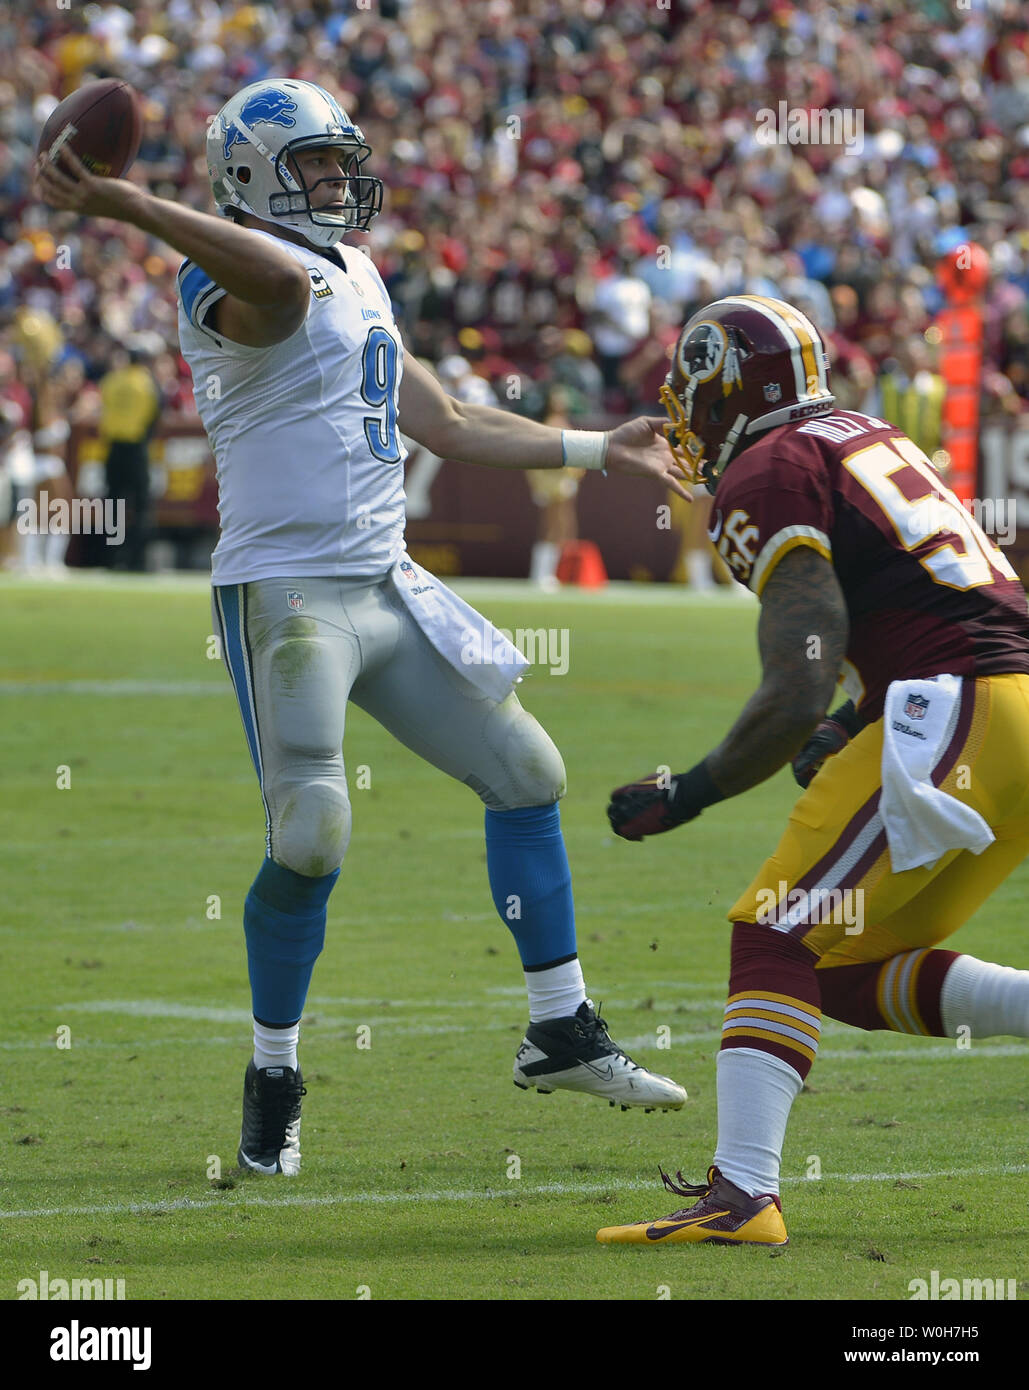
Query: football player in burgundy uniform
[{"x": 869, "y": 571}]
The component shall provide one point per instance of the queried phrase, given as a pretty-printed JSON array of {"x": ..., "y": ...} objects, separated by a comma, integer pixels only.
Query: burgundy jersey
[{"x": 928, "y": 593}]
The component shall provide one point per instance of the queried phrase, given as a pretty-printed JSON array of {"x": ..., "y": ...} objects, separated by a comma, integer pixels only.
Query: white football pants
[{"x": 298, "y": 649}]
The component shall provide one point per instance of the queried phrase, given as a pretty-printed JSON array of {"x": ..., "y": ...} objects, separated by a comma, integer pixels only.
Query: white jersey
[{"x": 304, "y": 433}]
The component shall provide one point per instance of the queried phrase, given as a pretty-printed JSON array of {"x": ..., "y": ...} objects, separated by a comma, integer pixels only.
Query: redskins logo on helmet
[{"x": 733, "y": 360}]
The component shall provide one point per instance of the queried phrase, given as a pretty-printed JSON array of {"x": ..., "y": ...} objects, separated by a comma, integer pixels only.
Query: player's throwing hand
[
  {"x": 639, "y": 447},
  {"x": 69, "y": 186}
]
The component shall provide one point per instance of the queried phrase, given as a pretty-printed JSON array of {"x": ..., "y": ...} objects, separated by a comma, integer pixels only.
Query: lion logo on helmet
[{"x": 272, "y": 105}]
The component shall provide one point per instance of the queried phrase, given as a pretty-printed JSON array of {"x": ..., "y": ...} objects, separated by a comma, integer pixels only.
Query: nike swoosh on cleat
[
  {"x": 256, "y": 1167},
  {"x": 654, "y": 1234},
  {"x": 606, "y": 1075}
]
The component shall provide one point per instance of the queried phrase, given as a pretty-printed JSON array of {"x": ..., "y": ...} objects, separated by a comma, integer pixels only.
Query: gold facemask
[{"x": 686, "y": 446}]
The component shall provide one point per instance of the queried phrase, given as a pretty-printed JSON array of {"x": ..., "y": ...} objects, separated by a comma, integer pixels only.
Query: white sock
[
  {"x": 991, "y": 1000},
  {"x": 275, "y": 1047},
  {"x": 755, "y": 1092},
  {"x": 543, "y": 561},
  {"x": 31, "y": 550},
  {"x": 555, "y": 993},
  {"x": 699, "y": 570},
  {"x": 55, "y": 546}
]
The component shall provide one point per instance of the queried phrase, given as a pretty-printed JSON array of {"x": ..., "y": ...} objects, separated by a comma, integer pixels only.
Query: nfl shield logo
[
  {"x": 772, "y": 392},
  {"x": 295, "y": 599},
  {"x": 407, "y": 570},
  {"x": 915, "y": 706}
]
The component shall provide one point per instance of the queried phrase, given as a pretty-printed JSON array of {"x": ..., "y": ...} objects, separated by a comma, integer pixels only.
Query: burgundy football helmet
[{"x": 742, "y": 365}]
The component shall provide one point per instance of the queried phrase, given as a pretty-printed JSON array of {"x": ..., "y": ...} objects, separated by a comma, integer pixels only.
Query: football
[{"x": 102, "y": 122}]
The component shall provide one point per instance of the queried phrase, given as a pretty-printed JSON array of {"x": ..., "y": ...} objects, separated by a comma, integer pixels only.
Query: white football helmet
[{"x": 247, "y": 146}]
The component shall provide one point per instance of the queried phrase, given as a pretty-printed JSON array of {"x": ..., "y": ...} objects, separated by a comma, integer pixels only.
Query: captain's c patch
[{"x": 320, "y": 287}]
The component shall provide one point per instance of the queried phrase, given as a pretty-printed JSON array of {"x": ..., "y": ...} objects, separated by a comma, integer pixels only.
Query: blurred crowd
[{"x": 566, "y": 180}]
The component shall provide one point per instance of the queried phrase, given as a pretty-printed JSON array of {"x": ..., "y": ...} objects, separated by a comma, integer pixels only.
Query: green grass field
[{"x": 125, "y": 1019}]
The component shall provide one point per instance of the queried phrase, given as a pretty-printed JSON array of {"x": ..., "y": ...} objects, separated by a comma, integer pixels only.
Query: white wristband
[{"x": 584, "y": 448}]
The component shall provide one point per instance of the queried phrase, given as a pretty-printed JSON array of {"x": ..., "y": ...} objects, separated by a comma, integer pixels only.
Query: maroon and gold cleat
[{"x": 724, "y": 1215}]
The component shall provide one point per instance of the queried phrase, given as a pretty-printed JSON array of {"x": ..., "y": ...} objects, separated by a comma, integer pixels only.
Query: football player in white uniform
[{"x": 300, "y": 377}]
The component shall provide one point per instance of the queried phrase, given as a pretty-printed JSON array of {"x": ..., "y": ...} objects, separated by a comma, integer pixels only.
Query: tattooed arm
[{"x": 802, "y": 636}]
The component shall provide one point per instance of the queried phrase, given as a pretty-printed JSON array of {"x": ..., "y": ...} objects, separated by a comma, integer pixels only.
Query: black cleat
[{"x": 270, "y": 1138}]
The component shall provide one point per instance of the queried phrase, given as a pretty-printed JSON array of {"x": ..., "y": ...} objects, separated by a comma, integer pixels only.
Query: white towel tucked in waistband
[
  {"x": 922, "y": 822},
  {"x": 468, "y": 641}
]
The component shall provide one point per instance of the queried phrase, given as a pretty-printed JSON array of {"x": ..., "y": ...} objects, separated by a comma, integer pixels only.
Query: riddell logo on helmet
[{"x": 801, "y": 412}]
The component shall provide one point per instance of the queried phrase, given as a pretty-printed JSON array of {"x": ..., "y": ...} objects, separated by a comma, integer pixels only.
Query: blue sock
[
  {"x": 284, "y": 921},
  {"x": 531, "y": 883}
]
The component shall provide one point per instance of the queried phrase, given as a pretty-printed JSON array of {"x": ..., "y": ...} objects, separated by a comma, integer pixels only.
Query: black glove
[
  {"x": 834, "y": 733},
  {"x": 645, "y": 808}
]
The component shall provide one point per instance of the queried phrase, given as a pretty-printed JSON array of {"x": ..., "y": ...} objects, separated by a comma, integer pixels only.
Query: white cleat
[{"x": 577, "y": 1054}]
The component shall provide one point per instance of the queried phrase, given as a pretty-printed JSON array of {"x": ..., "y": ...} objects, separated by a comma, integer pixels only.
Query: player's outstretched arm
[
  {"x": 802, "y": 634},
  {"x": 499, "y": 439},
  {"x": 252, "y": 268}
]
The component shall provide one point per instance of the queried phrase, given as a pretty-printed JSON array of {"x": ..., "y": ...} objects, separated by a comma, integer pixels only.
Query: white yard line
[
  {"x": 386, "y": 1026},
  {"x": 617, "y": 592},
  {"x": 190, "y": 582},
  {"x": 116, "y": 689},
  {"x": 322, "y": 1027},
  {"x": 570, "y": 832},
  {"x": 680, "y": 986},
  {"x": 519, "y": 1189},
  {"x": 172, "y": 1008}
]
